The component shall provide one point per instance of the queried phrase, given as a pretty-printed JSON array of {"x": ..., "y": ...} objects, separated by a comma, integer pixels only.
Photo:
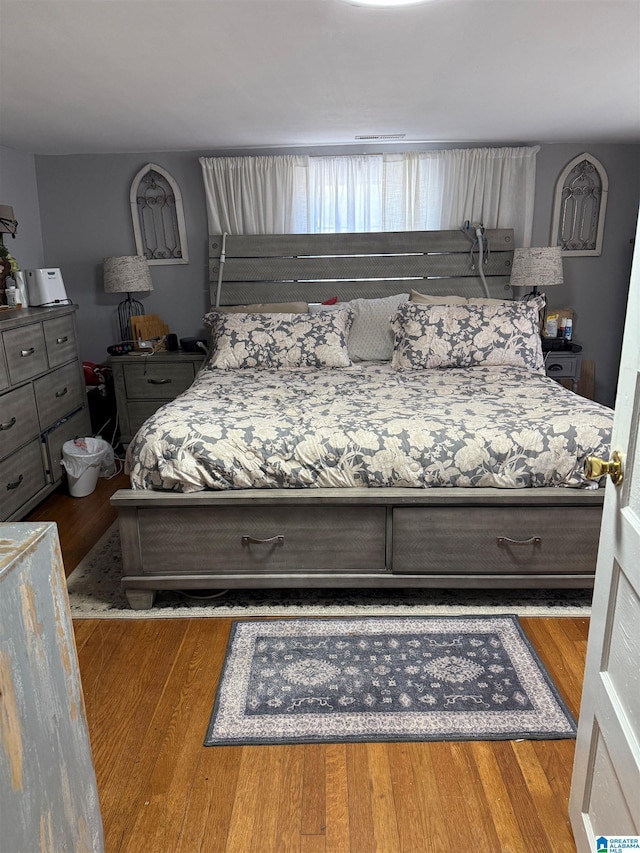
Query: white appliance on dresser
[{"x": 43, "y": 403}]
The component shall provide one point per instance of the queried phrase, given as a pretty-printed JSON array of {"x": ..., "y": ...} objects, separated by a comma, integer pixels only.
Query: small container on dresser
[
  {"x": 143, "y": 383},
  {"x": 43, "y": 403}
]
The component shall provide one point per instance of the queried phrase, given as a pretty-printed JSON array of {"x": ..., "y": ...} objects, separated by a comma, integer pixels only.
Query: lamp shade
[
  {"x": 538, "y": 268},
  {"x": 8, "y": 223},
  {"x": 127, "y": 274}
]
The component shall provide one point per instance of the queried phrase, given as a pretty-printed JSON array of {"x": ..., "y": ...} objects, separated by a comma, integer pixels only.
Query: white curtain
[
  {"x": 423, "y": 190},
  {"x": 254, "y": 195}
]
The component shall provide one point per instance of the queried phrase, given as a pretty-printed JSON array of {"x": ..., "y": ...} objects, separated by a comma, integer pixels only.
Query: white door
[{"x": 605, "y": 790}]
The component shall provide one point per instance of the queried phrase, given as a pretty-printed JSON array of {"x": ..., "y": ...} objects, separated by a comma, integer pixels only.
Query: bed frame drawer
[
  {"x": 264, "y": 539},
  {"x": 495, "y": 540}
]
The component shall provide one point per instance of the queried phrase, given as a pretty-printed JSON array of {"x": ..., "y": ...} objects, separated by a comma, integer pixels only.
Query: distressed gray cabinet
[
  {"x": 48, "y": 793},
  {"x": 143, "y": 383},
  {"x": 43, "y": 403},
  {"x": 564, "y": 367}
]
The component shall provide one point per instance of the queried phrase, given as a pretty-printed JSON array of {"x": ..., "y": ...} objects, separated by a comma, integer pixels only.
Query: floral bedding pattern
[
  {"x": 242, "y": 341},
  {"x": 428, "y": 336},
  {"x": 369, "y": 425}
]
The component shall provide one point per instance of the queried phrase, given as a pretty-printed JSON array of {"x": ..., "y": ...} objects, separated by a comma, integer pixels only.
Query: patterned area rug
[
  {"x": 94, "y": 592},
  {"x": 384, "y": 679}
]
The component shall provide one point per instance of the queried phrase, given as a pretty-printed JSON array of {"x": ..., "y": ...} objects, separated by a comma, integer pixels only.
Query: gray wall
[
  {"x": 595, "y": 287},
  {"x": 19, "y": 190},
  {"x": 85, "y": 215}
]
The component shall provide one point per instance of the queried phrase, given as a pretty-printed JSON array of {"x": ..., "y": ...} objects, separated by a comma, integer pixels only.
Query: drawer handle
[
  {"x": 554, "y": 367},
  {"x": 273, "y": 540},
  {"x": 532, "y": 540},
  {"x": 15, "y": 485},
  {"x": 8, "y": 424},
  {"x": 62, "y": 393},
  {"x": 25, "y": 352},
  {"x": 62, "y": 340},
  {"x": 159, "y": 381}
]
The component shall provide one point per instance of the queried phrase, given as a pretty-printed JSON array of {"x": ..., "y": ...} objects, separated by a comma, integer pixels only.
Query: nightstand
[
  {"x": 143, "y": 383},
  {"x": 564, "y": 367}
]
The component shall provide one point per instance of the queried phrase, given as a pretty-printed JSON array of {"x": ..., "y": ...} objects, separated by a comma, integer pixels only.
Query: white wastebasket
[{"x": 83, "y": 467}]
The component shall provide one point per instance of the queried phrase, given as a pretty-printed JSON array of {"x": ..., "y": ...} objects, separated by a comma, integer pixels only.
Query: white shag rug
[{"x": 95, "y": 593}]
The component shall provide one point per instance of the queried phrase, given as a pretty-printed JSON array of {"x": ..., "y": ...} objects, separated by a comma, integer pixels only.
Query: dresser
[
  {"x": 48, "y": 791},
  {"x": 43, "y": 403},
  {"x": 144, "y": 382}
]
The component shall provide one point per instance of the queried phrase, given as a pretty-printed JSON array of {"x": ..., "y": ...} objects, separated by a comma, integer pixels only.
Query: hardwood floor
[
  {"x": 149, "y": 687},
  {"x": 81, "y": 521}
]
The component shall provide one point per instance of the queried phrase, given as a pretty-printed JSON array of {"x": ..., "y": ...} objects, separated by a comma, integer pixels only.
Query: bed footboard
[{"x": 349, "y": 538}]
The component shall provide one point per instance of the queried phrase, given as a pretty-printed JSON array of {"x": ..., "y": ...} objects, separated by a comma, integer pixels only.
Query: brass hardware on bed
[
  {"x": 594, "y": 468},
  {"x": 273, "y": 540},
  {"x": 506, "y": 540}
]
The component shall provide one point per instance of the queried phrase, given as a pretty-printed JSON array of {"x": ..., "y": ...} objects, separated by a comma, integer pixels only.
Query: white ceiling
[{"x": 84, "y": 76}]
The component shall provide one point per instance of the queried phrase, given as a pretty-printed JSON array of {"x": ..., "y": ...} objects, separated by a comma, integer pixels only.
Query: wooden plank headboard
[{"x": 314, "y": 267}]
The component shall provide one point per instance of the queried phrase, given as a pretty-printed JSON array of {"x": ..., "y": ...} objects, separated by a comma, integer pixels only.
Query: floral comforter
[{"x": 369, "y": 425}]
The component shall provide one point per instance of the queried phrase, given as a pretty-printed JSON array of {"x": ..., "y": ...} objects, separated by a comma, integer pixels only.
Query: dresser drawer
[
  {"x": 26, "y": 352},
  {"x": 294, "y": 540},
  {"x": 556, "y": 366},
  {"x": 59, "y": 393},
  {"x": 18, "y": 419},
  {"x": 76, "y": 426},
  {"x": 157, "y": 380},
  {"x": 439, "y": 540},
  {"x": 60, "y": 339},
  {"x": 21, "y": 477},
  {"x": 4, "y": 376}
]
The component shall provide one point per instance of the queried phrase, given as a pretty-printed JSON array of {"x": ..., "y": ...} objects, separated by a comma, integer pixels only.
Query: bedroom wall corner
[
  {"x": 19, "y": 189},
  {"x": 86, "y": 216},
  {"x": 595, "y": 287}
]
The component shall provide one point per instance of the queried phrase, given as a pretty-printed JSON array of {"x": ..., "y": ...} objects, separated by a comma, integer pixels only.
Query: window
[{"x": 412, "y": 191}]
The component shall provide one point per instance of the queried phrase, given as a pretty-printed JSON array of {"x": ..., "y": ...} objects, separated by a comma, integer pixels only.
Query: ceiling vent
[{"x": 372, "y": 137}]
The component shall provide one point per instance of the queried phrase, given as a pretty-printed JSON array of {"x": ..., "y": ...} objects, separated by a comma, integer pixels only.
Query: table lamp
[
  {"x": 127, "y": 274},
  {"x": 537, "y": 268}
]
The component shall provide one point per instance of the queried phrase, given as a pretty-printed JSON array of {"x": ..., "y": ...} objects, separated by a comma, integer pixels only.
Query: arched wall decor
[
  {"x": 158, "y": 216},
  {"x": 579, "y": 207}
]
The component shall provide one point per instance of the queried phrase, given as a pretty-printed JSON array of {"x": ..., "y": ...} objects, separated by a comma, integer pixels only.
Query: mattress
[{"x": 369, "y": 425}]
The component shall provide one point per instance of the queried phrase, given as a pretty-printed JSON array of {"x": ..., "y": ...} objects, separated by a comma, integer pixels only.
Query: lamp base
[{"x": 127, "y": 309}]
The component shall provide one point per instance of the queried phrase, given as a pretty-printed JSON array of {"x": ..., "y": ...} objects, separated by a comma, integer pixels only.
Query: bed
[{"x": 342, "y": 459}]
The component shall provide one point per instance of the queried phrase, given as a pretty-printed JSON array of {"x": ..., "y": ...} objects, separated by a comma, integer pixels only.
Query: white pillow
[{"x": 371, "y": 335}]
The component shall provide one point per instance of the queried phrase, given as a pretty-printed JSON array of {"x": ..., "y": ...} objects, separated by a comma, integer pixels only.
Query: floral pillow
[
  {"x": 279, "y": 340},
  {"x": 429, "y": 336}
]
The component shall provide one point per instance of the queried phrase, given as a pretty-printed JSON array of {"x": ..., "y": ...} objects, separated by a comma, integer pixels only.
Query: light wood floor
[{"x": 149, "y": 687}]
